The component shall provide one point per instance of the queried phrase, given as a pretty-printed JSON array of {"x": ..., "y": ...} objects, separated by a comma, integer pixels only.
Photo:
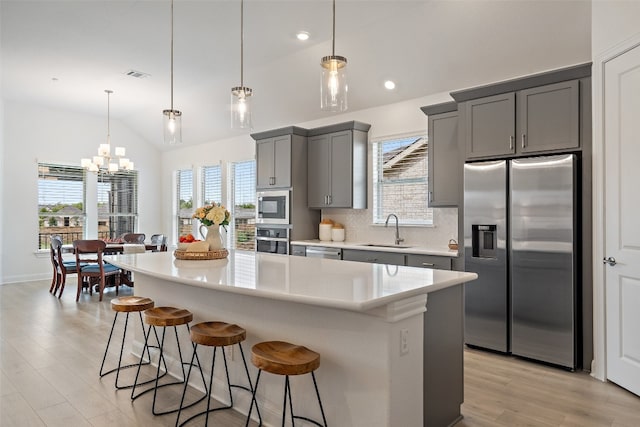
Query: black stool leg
[
  {"x": 315, "y": 384},
  {"x": 209, "y": 394},
  {"x": 250, "y": 389},
  {"x": 253, "y": 399},
  {"x": 160, "y": 359}
]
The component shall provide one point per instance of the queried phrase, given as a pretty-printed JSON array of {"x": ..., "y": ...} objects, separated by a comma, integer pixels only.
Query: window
[
  {"x": 61, "y": 194},
  {"x": 117, "y": 204},
  {"x": 243, "y": 211},
  {"x": 400, "y": 181},
  {"x": 184, "y": 201},
  {"x": 211, "y": 185}
]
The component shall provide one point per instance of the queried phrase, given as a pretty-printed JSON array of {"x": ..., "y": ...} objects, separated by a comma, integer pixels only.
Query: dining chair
[
  {"x": 134, "y": 238},
  {"x": 63, "y": 267},
  {"x": 54, "y": 263},
  {"x": 160, "y": 242},
  {"x": 95, "y": 269}
]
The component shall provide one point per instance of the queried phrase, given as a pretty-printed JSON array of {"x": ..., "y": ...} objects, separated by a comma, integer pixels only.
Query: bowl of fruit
[{"x": 185, "y": 241}]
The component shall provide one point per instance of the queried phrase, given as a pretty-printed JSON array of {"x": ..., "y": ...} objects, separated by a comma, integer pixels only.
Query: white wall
[
  {"x": 389, "y": 120},
  {"x": 2, "y": 181},
  {"x": 613, "y": 21},
  {"x": 33, "y": 134}
]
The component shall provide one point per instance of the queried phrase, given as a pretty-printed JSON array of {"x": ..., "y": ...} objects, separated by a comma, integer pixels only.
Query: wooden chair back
[
  {"x": 160, "y": 242},
  {"x": 55, "y": 281},
  {"x": 134, "y": 238},
  {"x": 89, "y": 257}
]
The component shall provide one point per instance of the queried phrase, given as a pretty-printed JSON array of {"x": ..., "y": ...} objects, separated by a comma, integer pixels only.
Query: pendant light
[
  {"x": 172, "y": 120},
  {"x": 241, "y": 95},
  {"x": 333, "y": 84},
  {"x": 102, "y": 162}
]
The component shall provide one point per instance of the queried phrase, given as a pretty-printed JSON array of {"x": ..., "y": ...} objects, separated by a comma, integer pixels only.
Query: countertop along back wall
[{"x": 32, "y": 134}]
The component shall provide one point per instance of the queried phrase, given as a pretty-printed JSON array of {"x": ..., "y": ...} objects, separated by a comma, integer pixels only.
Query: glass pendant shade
[
  {"x": 172, "y": 126},
  {"x": 333, "y": 85},
  {"x": 241, "y": 107}
]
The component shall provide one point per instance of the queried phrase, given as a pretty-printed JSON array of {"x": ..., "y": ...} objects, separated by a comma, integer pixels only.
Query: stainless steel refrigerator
[{"x": 520, "y": 237}]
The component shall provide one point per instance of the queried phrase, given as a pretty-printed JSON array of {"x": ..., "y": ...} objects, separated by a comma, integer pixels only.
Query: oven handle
[{"x": 272, "y": 239}]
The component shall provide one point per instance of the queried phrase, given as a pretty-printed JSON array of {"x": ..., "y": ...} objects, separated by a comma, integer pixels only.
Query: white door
[{"x": 622, "y": 218}]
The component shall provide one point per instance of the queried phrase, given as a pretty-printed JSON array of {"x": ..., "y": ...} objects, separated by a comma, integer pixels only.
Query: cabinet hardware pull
[
  {"x": 428, "y": 264},
  {"x": 524, "y": 143},
  {"x": 430, "y": 196},
  {"x": 330, "y": 199},
  {"x": 511, "y": 139}
]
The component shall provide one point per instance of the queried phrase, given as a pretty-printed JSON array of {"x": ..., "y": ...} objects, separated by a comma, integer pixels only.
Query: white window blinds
[
  {"x": 117, "y": 204},
  {"x": 211, "y": 185},
  {"x": 61, "y": 206},
  {"x": 400, "y": 181},
  {"x": 184, "y": 201},
  {"x": 243, "y": 212}
]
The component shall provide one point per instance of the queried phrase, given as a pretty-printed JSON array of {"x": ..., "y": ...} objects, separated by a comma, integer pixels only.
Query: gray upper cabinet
[
  {"x": 539, "y": 119},
  {"x": 445, "y": 166},
  {"x": 337, "y": 166},
  {"x": 490, "y": 124},
  {"x": 548, "y": 117},
  {"x": 273, "y": 162}
]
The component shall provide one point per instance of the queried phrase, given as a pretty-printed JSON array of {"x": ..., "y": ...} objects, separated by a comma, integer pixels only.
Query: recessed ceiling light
[
  {"x": 389, "y": 84},
  {"x": 302, "y": 36}
]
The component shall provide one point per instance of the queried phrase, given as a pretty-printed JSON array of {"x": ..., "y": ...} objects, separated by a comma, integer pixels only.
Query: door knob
[{"x": 611, "y": 261}]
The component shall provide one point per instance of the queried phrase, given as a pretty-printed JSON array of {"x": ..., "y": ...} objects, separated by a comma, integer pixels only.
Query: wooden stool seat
[
  {"x": 131, "y": 303},
  {"x": 217, "y": 334},
  {"x": 167, "y": 316},
  {"x": 283, "y": 358}
]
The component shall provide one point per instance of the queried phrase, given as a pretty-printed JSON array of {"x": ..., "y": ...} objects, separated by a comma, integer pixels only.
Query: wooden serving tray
[{"x": 182, "y": 254}]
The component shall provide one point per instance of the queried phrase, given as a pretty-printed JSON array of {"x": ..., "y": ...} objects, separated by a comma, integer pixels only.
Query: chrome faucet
[{"x": 386, "y": 224}]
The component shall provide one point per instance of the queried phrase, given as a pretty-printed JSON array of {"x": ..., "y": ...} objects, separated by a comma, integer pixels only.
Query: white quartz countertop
[
  {"x": 347, "y": 285},
  {"x": 367, "y": 246}
]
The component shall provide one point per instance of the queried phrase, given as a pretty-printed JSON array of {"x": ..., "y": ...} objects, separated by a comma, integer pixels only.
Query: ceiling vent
[{"x": 137, "y": 74}]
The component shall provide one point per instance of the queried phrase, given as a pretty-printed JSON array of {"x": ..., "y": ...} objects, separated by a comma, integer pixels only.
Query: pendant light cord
[
  {"x": 242, "y": 43},
  {"x": 172, "y": 56},
  {"x": 333, "y": 36},
  {"x": 108, "y": 116}
]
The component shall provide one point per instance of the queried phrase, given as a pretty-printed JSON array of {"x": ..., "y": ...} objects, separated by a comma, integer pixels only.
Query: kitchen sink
[{"x": 379, "y": 245}]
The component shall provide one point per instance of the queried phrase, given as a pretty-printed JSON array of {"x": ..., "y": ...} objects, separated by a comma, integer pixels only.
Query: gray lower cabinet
[
  {"x": 273, "y": 162},
  {"x": 445, "y": 164},
  {"x": 429, "y": 261},
  {"x": 376, "y": 257},
  {"x": 298, "y": 250},
  {"x": 539, "y": 119}
]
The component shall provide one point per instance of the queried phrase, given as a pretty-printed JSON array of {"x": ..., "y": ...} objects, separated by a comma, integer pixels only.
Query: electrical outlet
[{"x": 404, "y": 341}]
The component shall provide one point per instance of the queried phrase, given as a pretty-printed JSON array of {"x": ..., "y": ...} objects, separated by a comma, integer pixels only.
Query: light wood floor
[{"x": 50, "y": 354}]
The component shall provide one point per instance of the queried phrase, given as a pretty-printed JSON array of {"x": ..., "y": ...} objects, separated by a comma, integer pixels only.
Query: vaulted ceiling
[{"x": 64, "y": 54}]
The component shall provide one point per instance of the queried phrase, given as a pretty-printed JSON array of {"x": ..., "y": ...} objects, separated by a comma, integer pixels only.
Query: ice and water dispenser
[{"x": 484, "y": 241}]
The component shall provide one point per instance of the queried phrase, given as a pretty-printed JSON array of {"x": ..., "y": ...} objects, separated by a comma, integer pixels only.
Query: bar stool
[
  {"x": 283, "y": 358},
  {"x": 165, "y": 317},
  {"x": 216, "y": 335},
  {"x": 127, "y": 304}
]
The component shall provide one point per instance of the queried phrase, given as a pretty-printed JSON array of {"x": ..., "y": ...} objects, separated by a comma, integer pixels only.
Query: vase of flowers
[{"x": 213, "y": 216}]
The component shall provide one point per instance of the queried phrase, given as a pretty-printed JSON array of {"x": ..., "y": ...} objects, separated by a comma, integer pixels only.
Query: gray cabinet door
[
  {"x": 490, "y": 126},
  {"x": 444, "y": 160},
  {"x": 429, "y": 261},
  {"x": 548, "y": 117},
  {"x": 376, "y": 257},
  {"x": 341, "y": 177},
  {"x": 273, "y": 162},
  {"x": 318, "y": 170},
  {"x": 282, "y": 161},
  {"x": 264, "y": 163}
]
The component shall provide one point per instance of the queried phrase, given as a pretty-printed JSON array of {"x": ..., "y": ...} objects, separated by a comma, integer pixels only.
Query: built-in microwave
[{"x": 273, "y": 207}]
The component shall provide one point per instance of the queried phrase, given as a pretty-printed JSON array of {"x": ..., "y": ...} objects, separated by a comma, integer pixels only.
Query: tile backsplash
[{"x": 358, "y": 228}]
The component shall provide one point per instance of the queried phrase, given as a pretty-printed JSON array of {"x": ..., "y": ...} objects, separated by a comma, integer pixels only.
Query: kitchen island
[{"x": 367, "y": 321}]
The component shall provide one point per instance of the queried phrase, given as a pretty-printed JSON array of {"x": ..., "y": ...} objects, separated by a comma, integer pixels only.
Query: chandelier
[{"x": 103, "y": 161}]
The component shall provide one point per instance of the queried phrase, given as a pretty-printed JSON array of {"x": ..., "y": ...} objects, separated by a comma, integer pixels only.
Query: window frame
[
  {"x": 378, "y": 182},
  {"x": 129, "y": 202},
  {"x": 43, "y": 245}
]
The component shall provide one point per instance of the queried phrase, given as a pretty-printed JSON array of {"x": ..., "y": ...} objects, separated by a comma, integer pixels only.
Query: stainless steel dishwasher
[{"x": 324, "y": 252}]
